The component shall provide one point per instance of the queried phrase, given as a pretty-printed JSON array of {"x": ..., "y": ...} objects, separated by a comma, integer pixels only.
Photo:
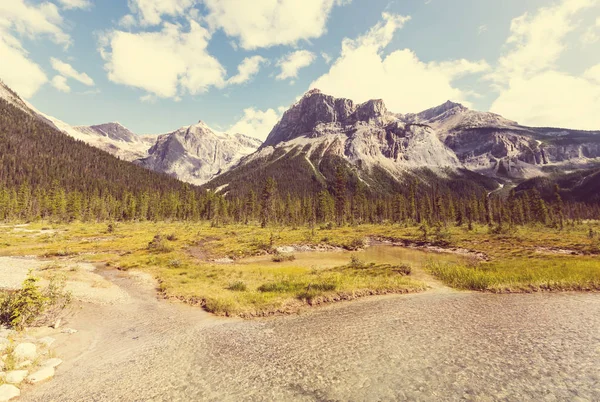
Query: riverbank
[{"x": 230, "y": 270}]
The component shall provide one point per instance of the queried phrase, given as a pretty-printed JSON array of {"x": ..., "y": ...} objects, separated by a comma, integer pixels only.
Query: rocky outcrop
[
  {"x": 490, "y": 144},
  {"x": 196, "y": 153},
  {"x": 366, "y": 135}
]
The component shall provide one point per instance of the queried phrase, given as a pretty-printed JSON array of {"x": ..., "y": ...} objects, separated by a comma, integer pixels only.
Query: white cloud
[
  {"x": 150, "y": 12},
  {"x": 591, "y": 34},
  {"x": 531, "y": 88},
  {"x": 59, "y": 82},
  {"x": 33, "y": 20},
  {"x": 256, "y": 123},
  {"x": 328, "y": 59},
  {"x": 400, "y": 78},
  {"x": 66, "y": 70},
  {"x": 482, "y": 29},
  {"x": 17, "y": 70},
  {"x": 552, "y": 99},
  {"x": 264, "y": 23},
  {"x": 247, "y": 69},
  {"x": 166, "y": 63},
  {"x": 128, "y": 21},
  {"x": 291, "y": 63},
  {"x": 593, "y": 73},
  {"x": 536, "y": 41},
  {"x": 71, "y": 4}
]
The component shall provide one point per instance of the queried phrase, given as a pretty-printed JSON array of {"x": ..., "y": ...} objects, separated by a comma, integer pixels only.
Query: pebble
[
  {"x": 15, "y": 376},
  {"x": 69, "y": 331},
  {"x": 4, "y": 344},
  {"x": 8, "y": 392},
  {"x": 54, "y": 362},
  {"x": 41, "y": 375},
  {"x": 25, "y": 351},
  {"x": 46, "y": 341}
]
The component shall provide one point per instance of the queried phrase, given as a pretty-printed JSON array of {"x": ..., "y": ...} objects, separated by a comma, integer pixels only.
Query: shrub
[
  {"x": 355, "y": 244},
  {"x": 172, "y": 237},
  {"x": 158, "y": 244},
  {"x": 237, "y": 286},
  {"x": 280, "y": 287},
  {"x": 282, "y": 257},
  {"x": 174, "y": 263},
  {"x": 110, "y": 228},
  {"x": 355, "y": 262},
  {"x": 403, "y": 269},
  {"x": 313, "y": 290},
  {"x": 30, "y": 306}
]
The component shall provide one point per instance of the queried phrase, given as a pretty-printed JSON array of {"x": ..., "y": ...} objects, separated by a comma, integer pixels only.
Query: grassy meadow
[{"x": 234, "y": 270}]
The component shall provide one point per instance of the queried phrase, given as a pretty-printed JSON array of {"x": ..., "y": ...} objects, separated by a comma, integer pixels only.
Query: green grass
[
  {"x": 558, "y": 273},
  {"x": 181, "y": 256}
]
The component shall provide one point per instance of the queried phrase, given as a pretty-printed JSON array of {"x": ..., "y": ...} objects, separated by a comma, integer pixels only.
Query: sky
[{"x": 156, "y": 65}]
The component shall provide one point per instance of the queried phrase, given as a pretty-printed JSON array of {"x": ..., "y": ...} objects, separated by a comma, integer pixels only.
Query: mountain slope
[
  {"x": 379, "y": 150},
  {"x": 193, "y": 154},
  {"x": 34, "y": 154},
  {"x": 385, "y": 151},
  {"x": 196, "y": 153},
  {"x": 492, "y": 145}
]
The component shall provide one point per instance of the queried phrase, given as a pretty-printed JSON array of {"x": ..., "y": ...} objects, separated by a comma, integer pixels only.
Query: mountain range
[{"x": 380, "y": 149}]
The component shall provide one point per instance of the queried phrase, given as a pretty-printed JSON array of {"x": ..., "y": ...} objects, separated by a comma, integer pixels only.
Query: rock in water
[
  {"x": 25, "y": 351},
  {"x": 42, "y": 374},
  {"x": 8, "y": 392},
  {"x": 46, "y": 341},
  {"x": 54, "y": 362}
]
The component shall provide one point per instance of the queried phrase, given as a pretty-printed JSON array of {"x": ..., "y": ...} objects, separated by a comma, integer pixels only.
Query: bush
[
  {"x": 30, "y": 306},
  {"x": 314, "y": 290},
  {"x": 280, "y": 287},
  {"x": 282, "y": 257},
  {"x": 237, "y": 286},
  {"x": 172, "y": 237},
  {"x": 159, "y": 245},
  {"x": 355, "y": 244},
  {"x": 403, "y": 269},
  {"x": 355, "y": 262}
]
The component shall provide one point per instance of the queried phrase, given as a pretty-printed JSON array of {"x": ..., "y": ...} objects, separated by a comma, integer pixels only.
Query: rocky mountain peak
[
  {"x": 372, "y": 110},
  {"x": 444, "y": 108},
  {"x": 114, "y": 131},
  {"x": 312, "y": 109}
]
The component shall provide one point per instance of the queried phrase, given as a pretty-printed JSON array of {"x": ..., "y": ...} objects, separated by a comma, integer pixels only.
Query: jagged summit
[
  {"x": 316, "y": 109},
  {"x": 440, "y": 110}
]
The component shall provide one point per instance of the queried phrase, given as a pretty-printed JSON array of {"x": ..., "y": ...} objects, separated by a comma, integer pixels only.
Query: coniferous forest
[{"x": 48, "y": 175}]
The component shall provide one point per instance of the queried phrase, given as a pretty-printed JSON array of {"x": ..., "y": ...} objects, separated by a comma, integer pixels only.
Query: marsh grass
[
  {"x": 282, "y": 257},
  {"x": 558, "y": 273},
  {"x": 184, "y": 269}
]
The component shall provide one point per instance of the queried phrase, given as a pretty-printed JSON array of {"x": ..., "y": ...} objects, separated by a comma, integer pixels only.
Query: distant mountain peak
[{"x": 445, "y": 107}]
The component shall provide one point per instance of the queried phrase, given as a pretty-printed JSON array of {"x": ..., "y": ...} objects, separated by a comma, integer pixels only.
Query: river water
[{"x": 437, "y": 345}]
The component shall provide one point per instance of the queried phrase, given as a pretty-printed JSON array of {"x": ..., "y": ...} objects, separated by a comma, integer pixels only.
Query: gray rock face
[
  {"x": 492, "y": 145},
  {"x": 114, "y": 131},
  {"x": 196, "y": 153},
  {"x": 366, "y": 135}
]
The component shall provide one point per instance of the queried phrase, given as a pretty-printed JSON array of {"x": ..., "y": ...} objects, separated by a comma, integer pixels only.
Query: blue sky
[{"x": 156, "y": 65}]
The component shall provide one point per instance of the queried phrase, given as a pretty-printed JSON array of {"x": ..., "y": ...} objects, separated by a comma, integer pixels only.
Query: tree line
[{"x": 267, "y": 207}]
